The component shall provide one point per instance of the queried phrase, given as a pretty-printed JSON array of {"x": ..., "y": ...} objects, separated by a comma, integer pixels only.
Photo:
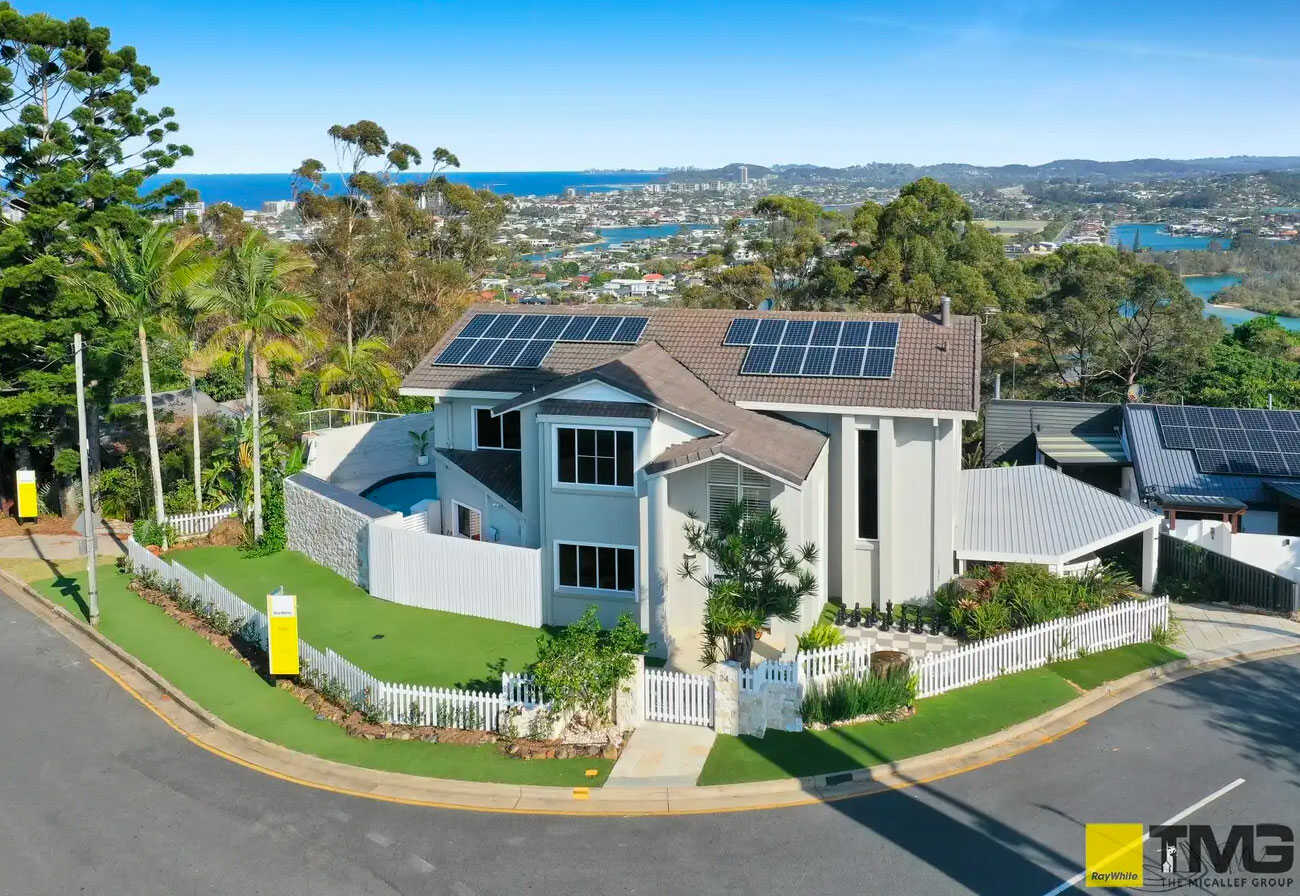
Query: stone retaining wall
[
  {"x": 751, "y": 711},
  {"x": 330, "y": 525}
]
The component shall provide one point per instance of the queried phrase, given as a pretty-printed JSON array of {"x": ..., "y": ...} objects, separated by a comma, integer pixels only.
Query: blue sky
[{"x": 572, "y": 85}]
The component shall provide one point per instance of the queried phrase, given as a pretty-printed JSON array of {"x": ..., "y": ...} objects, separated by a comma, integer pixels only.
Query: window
[
  {"x": 868, "y": 484},
  {"x": 593, "y": 456},
  {"x": 496, "y": 432},
  {"x": 596, "y": 567},
  {"x": 730, "y": 482},
  {"x": 469, "y": 522}
]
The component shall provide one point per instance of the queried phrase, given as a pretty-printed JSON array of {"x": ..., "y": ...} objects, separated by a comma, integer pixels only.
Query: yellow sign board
[
  {"x": 27, "y": 494},
  {"x": 1113, "y": 855},
  {"x": 282, "y": 633}
]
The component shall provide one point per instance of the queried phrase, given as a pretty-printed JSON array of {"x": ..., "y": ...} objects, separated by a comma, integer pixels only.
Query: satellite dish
[
  {"x": 765, "y": 305},
  {"x": 1136, "y": 392}
]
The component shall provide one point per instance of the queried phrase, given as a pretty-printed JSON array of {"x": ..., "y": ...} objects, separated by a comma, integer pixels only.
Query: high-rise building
[{"x": 744, "y": 174}]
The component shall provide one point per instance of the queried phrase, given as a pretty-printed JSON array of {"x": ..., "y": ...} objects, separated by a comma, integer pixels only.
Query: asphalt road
[{"x": 98, "y": 796}]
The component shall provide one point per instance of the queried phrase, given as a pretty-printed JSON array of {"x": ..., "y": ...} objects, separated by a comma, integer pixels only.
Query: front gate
[{"x": 678, "y": 697}]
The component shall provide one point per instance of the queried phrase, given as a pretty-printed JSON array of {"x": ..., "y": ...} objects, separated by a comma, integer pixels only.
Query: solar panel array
[
  {"x": 843, "y": 348},
  {"x": 1246, "y": 441},
  {"x": 524, "y": 340}
]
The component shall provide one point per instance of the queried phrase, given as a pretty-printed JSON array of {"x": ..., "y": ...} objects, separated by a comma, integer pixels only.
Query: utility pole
[{"x": 87, "y": 509}]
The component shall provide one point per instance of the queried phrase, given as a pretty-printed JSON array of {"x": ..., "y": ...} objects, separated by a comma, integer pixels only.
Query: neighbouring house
[{"x": 1081, "y": 439}]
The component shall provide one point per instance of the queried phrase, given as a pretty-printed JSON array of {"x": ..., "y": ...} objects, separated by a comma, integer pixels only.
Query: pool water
[{"x": 400, "y": 492}]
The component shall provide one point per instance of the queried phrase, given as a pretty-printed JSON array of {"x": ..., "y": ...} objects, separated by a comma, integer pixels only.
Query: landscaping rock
[{"x": 228, "y": 533}]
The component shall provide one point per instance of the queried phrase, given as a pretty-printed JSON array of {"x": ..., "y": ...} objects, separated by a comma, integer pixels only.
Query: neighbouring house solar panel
[
  {"x": 827, "y": 332},
  {"x": 1234, "y": 439},
  {"x": 534, "y": 353},
  {"x": 1225, "y": 417},
  {"x": 769, "y": 332},
  {"x": 789, "y": 360},
  {"x": 848, "y": 361},
  {"x": 1170, "y": 415},
  {"x": 879, "y": 363},
  {"x": 603, "y": 329},
  {"x": 1253, "y": 418},
  {"x": 884, "y": 334},
  {"x": 478, "y": 325},
  {"x": 1177, "y": 437},
  {"x": 741, "y": 331},
  {"x": 630, "y": 329},
  {"x": 1282, "y": 421},
  {"x": 506, "y": 354},
  {"x": 1204, "y": 437},
  {"x": 457, "y": 349},
  {"x": 818, "y": 361},
  {"x": 1243, "y": 463},
  {"x": 527, "y": 327},
  {"x": 1212, "y": 461},
  {"x": 502, "y": 326},
  {"x": 797, "y": 332},
  {"x": 1292, "y": 463},
  {"x": 1288, "y": 441},
  {"x": 552, "y": 326},
  {"x": 856, "y": 332},
  {"x": 578, "y": 328},
  {"x": 1261, "y": 440},
  {"x": 481, "y": 352},
  {"x": 1198, "y": 417},
  {"x": 759, "y": 359},
  {"x": 1270, "y": 463}
]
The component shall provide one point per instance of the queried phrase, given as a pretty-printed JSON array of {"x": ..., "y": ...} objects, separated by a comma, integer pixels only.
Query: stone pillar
[
  {"x": 726, "y": 697},
  {"x": 629, "y": 699},
  {"x": 1150, "y": 558}
]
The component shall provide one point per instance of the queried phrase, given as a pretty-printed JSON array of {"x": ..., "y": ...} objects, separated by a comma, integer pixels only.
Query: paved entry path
[
  {"x": 658, "y": 753},
  {"x": 1211, "y": 632}
]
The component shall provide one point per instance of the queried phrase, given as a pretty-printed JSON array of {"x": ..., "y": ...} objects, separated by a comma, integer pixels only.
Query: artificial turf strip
[
  {"x": 224, "y": 686},
  {"x": 943, "y": 721},
  {"x": 390, "y": 641}
]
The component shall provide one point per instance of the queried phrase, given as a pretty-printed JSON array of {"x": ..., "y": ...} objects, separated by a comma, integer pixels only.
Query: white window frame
[
  {"x": 867, "y": 543},
  {"x": 558, "y": 483},
  {"x": 473, "y": 413},
  {"x": 579, "y": 589},
  {"x": 455, "y": 520},
  {"x": 740, "y": 486}
]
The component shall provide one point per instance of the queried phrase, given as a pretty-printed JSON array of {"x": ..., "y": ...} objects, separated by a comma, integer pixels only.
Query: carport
[{"x": 1039, "y": 515}]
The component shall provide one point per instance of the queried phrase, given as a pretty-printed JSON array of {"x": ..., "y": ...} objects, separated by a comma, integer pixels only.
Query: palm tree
[
  {"x": 186, "y": 325},
  {"x": 141, "y": 281},
  {"x": 360, "y": 376},
  {"x": 258, "y": 312}
]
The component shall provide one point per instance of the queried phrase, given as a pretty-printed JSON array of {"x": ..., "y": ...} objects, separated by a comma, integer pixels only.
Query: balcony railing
[{"x": 331, "y": 418}]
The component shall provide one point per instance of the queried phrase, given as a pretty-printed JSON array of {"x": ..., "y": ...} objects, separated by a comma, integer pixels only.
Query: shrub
[
  {"x": 580, "y": 668},
  {"x": 823, "y": 634},
  {"x": 148, "y": 532},
  {"x": 848, "y": 697}
]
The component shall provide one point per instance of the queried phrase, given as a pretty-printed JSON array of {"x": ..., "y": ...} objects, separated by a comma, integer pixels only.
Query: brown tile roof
[
  {"x": 779, "y": 447},
  {"x": 563, "y": 407},
  {"x": 501, "y": 471},
  {"x": 937, "y": 368}
]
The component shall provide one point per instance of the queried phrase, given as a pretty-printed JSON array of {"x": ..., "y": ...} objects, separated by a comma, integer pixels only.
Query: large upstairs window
[
  {"x": 593, "y": 456},
  {"x": 496, "y": 432}
]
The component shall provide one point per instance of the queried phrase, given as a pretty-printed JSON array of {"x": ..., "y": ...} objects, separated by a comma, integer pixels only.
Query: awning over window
[{"x": 1082, "y": 448}]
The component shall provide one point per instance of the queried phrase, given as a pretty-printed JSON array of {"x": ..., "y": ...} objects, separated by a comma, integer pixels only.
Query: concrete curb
[{"x": 211, "y": 733}]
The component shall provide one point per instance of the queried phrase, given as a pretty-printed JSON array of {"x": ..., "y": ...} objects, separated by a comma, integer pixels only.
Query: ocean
[{"x": 251, "y": 190}]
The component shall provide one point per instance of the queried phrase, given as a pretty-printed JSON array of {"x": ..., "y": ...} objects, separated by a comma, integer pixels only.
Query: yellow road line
[{"x": 579, "y": 793}]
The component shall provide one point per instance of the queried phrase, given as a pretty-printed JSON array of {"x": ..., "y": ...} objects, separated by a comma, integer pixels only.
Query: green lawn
[
  {"x": 943, "y": 721},
  {"x": 390, "y": 641},
  {"x": 223, "y": 685}
]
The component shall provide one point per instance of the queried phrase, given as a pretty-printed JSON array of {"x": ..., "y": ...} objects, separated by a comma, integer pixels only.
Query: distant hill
[{"x": 892, "y": 174}]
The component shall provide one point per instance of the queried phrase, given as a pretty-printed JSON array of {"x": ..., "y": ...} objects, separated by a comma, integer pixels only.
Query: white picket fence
[
  {"x": 1131, "y": 622},
  {"x": 850, "y": 658},
  {"x": 768, "y": 670},
  {"x": 445, "y": 707},
  {"x": 678, "y": 697},
  {"x": 196, "y": 525}
]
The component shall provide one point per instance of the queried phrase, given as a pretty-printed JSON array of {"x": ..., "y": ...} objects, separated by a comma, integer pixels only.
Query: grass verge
[
  {"x": 224, "y": 686},
  {"x": 944, "y": 721},
  {"x": 390, "y": 641}
]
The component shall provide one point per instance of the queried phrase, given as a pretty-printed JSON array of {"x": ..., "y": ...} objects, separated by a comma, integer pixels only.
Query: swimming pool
[{"x": 400, "y": 492}]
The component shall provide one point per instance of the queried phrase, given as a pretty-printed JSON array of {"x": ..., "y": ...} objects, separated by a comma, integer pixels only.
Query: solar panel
[
  {"x": 1282, "y": 421},
  {"x": 1204, "y": 437},
  {"x": 818, "y": 361},
  {"x": 1234, "y": 439},
  {"x": 797, "y": 332},
  {"x": 534, "y": 353},
  {"x": 856, "y": 332},
  {"x": 1253, "y": 418},
  {"x": 478, "y": 325},
  {"x": 741, "y": 331},
  {"x": 769, "y": 332},
  {"x": 1270, "y": 463},
  {"x": 457, "y": 348},
  {"x": 1288, "y": 441},
  {"x": 502, "y": 326},
  {"x": 552, "y": 326},
  {"x": 528, "y": 325},
  {"x": 1177, "y": 437},
  {"x": 578, "y": 328},
  {"x": 789, "y": 360},
  {"x": 879, "y": 363},
  {"x": 1225, "y": 417},
  {"x": 759, "y": 359},
  {"x": 482, "y": 350},
  {"x": 827, "y": 332},
  {"x": 884, "y": 334},
  {"x": 1198, "y": 417},
  {"x": 603, "y": 329},
  {"x": 630, "y": 329},
  {"x": 506, "y": 354},
  {"x": 1170, "y": 415},
  {"x": 1261, "y": 440},
  {"x": 1212, "y": 461},
  {"x": 1292, "y": 463},
  {"x": 1242, "y": 463},
  {"x": 848, "y": 361}
]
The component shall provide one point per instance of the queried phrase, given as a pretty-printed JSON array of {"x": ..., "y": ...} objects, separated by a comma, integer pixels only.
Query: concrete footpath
[{"x": 631, "y": 798}]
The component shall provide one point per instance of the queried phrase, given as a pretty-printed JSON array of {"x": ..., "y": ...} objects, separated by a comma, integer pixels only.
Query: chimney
[{"x": 945, "y": 311}]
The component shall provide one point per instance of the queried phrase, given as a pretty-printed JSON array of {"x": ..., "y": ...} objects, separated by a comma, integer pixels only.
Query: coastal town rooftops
[{"x": 935, "y": 368}]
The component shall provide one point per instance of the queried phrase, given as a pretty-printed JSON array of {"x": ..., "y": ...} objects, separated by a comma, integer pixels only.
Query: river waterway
[
  {"x": 1205, "y": 287},
  {"x": 617, "y": 236},
  {"x": 1157, "y": 238}
]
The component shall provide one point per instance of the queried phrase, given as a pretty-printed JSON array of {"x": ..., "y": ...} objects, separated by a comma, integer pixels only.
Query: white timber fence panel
[
  {"x": 196, "y": 525},
  {"x": 823, "y": 663},
  {"x": 458, "y": 575},
  {"x": 519, "y": 689},
  {"x": 678, "y": 697},
  {"x": 1131, "y": 622}
]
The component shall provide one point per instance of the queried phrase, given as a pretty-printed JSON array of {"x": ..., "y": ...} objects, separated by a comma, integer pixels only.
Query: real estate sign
[
  {"x": 282, "y": 633},
  {"x": 27, "y": 494}
]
